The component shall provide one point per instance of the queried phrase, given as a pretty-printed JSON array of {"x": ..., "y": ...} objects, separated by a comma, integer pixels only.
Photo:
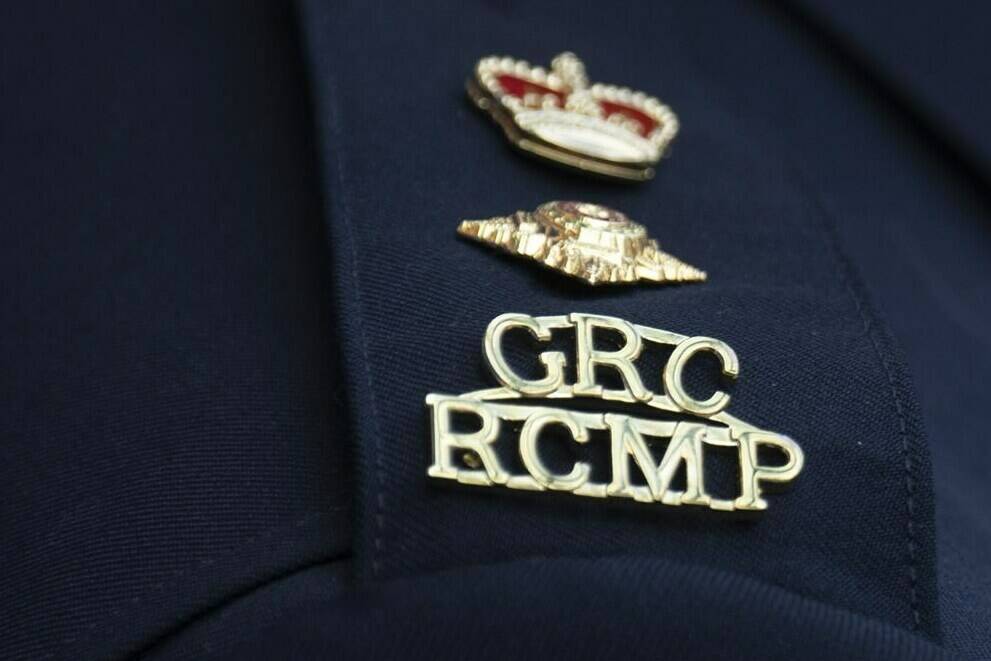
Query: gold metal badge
[
  {"x": 587, "y": 241},
  {"x": 468, "y": 430},
  {"x": 557, "y": 115}
]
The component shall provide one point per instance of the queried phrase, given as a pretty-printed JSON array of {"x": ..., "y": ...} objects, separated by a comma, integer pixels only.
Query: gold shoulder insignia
[
  {"x": 587, "y": 241},
  {"x": 559, "y": 116},
  {"x": 469, "y": 456}
]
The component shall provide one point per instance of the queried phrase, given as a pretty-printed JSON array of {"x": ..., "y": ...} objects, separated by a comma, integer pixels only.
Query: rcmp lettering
[{"x": 628, "y": 435}]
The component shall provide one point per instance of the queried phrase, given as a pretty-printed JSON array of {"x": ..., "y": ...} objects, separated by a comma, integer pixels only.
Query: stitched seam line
[
  {"x": 849, "y": 277},
  {"x": 851, "y": 280},
  {"x": 906, "y": 456},
  {"x": 379, "y": 469},
  {"x": 870, "y": 317}
]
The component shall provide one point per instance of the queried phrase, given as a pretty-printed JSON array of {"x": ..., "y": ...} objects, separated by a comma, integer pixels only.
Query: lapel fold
[{"x": 405, "y": 158}]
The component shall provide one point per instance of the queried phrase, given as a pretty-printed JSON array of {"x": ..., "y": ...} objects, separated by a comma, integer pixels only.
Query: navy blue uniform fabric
[
  {"x": 604, "y": 608},
  {"x": 230, "y": 276},
  {"x": 166, "y": 363}
]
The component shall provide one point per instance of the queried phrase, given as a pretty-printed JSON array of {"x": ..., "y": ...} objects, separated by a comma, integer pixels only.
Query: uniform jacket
[{"x": 229, "y": 276}]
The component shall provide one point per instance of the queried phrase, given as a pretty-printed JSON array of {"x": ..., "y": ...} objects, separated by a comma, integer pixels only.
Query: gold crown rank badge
[
  {"x": 583, "y": 240},
  {"x": 558, "y": 115}
]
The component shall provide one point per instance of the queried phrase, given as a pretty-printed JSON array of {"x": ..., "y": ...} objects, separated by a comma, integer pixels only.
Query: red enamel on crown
[{"x": 557, "y": 114}]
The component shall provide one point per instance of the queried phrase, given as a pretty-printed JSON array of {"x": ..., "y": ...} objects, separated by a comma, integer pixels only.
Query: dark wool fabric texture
[
  {"x": 813, "y": 361},
  {"x": 230, "y": 276}
]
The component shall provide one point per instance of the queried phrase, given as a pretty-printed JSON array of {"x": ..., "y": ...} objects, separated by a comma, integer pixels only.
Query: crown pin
[{"x": 558, "y": 115}]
